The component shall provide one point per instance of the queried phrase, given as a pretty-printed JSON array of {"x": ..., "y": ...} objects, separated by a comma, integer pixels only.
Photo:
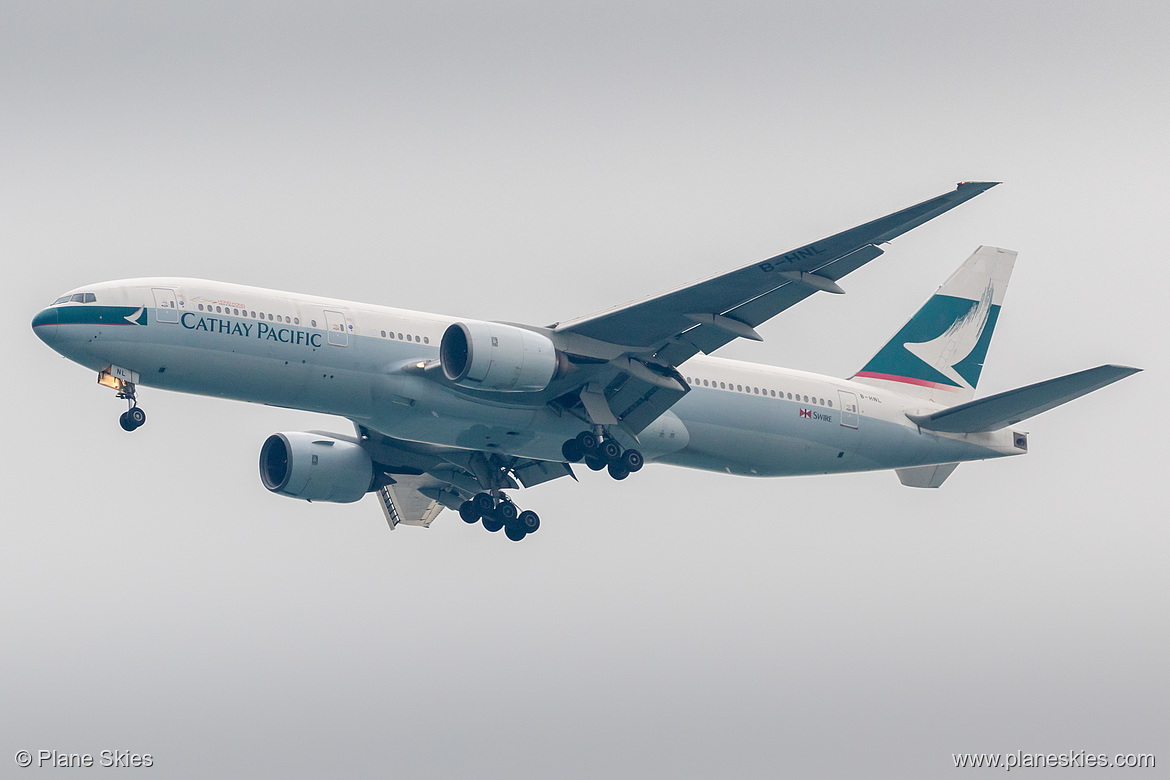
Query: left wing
[{"x": 417, "y": 481}]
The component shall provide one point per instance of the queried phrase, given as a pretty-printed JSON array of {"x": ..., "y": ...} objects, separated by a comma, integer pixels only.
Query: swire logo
[
  {"x": 812, "y": 414},
  {"x": 806, "y": 413}
]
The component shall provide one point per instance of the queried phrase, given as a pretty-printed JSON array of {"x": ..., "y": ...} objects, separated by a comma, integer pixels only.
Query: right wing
[
  {"x": 635, "y": 349},
  {"x": 705, "y": 315}
]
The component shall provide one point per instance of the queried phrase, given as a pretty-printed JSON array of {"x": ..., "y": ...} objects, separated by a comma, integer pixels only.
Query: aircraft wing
[
  {"x": 418, "y": 481},
  {"x": 705, "y": 315}
]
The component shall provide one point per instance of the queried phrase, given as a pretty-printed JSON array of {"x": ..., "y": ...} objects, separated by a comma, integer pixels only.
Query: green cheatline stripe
[{"x": 103, "y": 315}]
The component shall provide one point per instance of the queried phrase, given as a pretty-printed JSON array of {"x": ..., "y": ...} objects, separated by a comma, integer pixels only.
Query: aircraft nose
[{"x": 45, "y": 324}]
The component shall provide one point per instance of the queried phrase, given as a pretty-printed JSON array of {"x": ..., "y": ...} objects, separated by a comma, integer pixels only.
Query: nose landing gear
[
  {"x": 601, "y": 454},
  {"x": 133, "y": 418},
  {"x": 496, "y": 513}
]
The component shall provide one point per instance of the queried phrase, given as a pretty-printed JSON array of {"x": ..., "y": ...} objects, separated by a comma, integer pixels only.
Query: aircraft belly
[
  {"x": 442, "y": 418},
  {"x": 740, "y": 434}
]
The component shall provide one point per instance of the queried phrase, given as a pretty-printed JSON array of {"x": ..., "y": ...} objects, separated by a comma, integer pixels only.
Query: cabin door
[
  {"x": 849, "y": 413},
  {"x": 165, "y": 307},
  {"x": 338, "y": 332}
]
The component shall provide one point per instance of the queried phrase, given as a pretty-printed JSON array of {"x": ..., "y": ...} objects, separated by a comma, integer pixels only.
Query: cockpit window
[{"x": 76, "y": 298}]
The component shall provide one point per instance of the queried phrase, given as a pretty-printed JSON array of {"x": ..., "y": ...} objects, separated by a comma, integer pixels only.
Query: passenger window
[
  {"x": 704, "y": 383},
  {"x": 383, "y": 334},
  {"x": 830, "y": 404},
  {"x": 722, "y": 386},
  {"x": 312, "y": 323},
  {"x": 296, "y": 320},
  {"x": 426, "y": 340},
  {"x": 201, "y": 307},
  {"x": 399, "y": 336},
  {"x": 270, "y": 317}
]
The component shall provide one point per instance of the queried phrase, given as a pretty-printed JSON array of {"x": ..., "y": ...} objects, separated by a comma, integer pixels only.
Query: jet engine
[
  {"x": 315, "y": 467},
  {"x": 491, "y": 356}
]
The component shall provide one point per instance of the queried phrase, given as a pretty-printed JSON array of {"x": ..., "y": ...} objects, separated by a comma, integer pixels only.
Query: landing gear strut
[
  {"x": 496, "y": 513},
  {"x": 133, "y": 418},
  {"x": 601, "y": 454}
]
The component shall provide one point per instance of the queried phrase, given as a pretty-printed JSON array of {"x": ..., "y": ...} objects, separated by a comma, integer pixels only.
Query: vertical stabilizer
[{"x": 938, "y": 355}]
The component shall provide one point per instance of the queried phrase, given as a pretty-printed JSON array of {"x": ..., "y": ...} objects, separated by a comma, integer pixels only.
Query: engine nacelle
[
  {"x": 491, "y": 356},
  {"x": 316, "y": 467}
]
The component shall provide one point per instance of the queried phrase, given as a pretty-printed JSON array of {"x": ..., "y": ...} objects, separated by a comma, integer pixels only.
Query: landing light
[{"x": 109, "y": 380}]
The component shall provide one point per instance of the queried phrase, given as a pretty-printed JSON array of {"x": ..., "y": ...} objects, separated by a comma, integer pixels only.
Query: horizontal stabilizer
[
  {"x": 1008, "y": 408},
  {"x": 926, "y": 476}
]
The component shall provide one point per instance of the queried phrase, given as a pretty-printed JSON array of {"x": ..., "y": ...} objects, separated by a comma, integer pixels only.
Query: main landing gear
[
  {"x": 599, "y": 453},
  {"x": 497, "y": 513}
]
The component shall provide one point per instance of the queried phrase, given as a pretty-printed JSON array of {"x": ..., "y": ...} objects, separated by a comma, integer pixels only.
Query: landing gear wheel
[
  {"x": 515, "y": 533},
  {"x": 507, "y": 511},
  {"x": 137, "y": 416},
  {"x": 126, "y": 423},
  {"x": 492, "y": 524},
  {"x": 618, "y": 471},
  {"x": 632, "y": 460},
  {"x": 594, "y": 463},
  {"x": 484, "y": 503},
  {"x": 572, "y": 451},
  {"x": 610, "y": 451},
  {"x": 587, "y": 441},
  {"x": 528, "y": 521},
  {"x": 468, "y": 513}
]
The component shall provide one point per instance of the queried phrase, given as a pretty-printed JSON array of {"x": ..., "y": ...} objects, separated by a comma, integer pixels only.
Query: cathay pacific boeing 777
[{"x": 451, "y": 412}]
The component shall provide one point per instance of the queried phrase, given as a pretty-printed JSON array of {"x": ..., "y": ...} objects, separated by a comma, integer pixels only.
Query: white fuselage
[{"x": 345, "y": 358}]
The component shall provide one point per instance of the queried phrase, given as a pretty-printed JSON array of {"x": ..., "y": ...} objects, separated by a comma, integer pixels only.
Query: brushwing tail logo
[
  {"x": 138, "y": 317},
  {"x": 947, "y": 352}
]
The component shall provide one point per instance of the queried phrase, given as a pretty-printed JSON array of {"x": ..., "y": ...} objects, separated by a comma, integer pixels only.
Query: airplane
[{"x": 452, "y": 412}]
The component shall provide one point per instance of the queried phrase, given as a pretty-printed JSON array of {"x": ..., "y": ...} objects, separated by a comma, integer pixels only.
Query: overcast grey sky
[{"x": 532, "y": 162}]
